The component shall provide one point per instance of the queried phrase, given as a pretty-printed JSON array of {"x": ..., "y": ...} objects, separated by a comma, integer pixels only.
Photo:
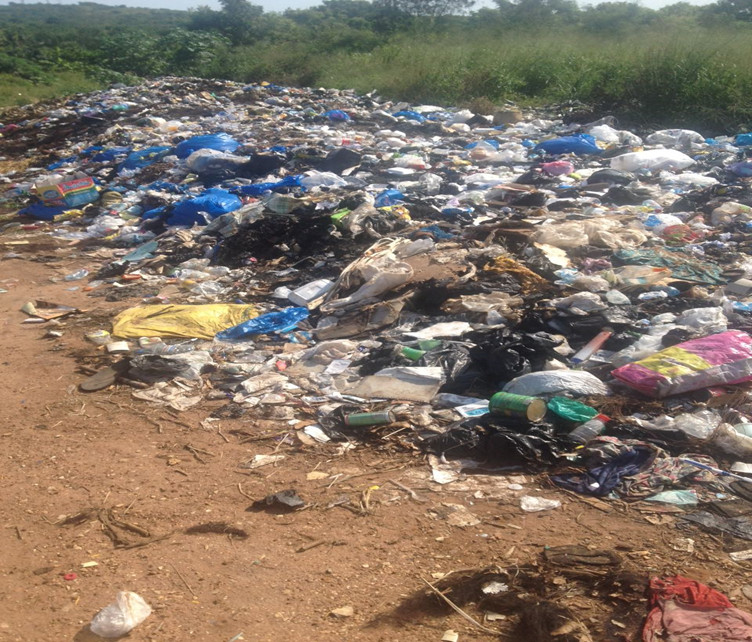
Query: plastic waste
[
  {"x": 337, "y": 115},
  {"x": 571, "y": 409},
  {"x": 729, "y": 212},
  {"x": 122, "y": 616},
  {"x": 321, "y": 179},
  {"x": 579, "y": 144},
  {"x": 699, "y": 363},
  {"x": 180, "y": 321},
  {"x": 310, "y": 292},
  {"x": 152, "y": 368},
  {"x": 410, "y": 115},
  {"x": 282, "y": 321},
  {"x": 157, "y": 346},
  {"x": 77, "y": 275},
  {"x": 575, "y": 382},
  {"x": 731, "y": 443},
  {"x": 211, "y": 160},
  {"x": 536, "y": 504},
  {"x": 640, "y": 275},
  {"x": 213, "y": 202},
  {"x": 652, "y": 159},
  {"x": 219, "y": 142},
  {"x": 141, "y": 252},
  {"x": 99, "y": 337},
  {"x": 144, "y": 157},
  {"x": 409, "y": 383},
  {"x": 558, "y": 168},
  {"x": 389, "y": 197},
  {"x": 604, "y": 133},
  {"x": 699, "y": 424},
  {"x": 595, "y": 344},
  {"x": 687, "y": 497},
  {"x": 589, "y": 430},
  {"x": 70, "y": 193},
  {"x": 675, "y": 138}
]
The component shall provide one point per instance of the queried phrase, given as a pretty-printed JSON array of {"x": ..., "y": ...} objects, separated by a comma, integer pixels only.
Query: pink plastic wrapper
[
  {"x": 700, "y": 363},
  {"x": 558, "y": 168}
]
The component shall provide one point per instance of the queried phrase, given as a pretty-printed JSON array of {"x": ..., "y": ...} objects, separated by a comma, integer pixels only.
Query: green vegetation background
[{"x": 682, "y": 65}]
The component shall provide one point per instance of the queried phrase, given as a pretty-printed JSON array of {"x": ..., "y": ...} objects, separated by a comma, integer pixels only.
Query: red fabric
[
  {"x": 686, "y": 591},
  {"x": 685, "y": 610}
]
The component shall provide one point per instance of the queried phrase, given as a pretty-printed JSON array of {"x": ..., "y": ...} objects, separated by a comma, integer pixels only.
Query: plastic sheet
[
  {"x": 180, "y": 321},
  {"x": 282, "y": 321},
  {"x": 580, "y": 144},
  {"x": 700, "y": 363},
  {"x": 220, "y": 142},
  {"x": 203, "y": 208}
]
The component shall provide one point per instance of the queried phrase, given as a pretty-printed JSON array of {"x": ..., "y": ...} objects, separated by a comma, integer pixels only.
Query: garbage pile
[{"x": 501, "y": 292}]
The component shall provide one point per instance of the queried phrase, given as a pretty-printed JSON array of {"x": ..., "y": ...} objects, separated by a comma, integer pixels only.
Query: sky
[{"x": 281, "y": 5}]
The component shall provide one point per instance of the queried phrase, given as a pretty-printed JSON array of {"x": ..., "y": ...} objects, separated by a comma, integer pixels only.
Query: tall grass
[
  {"x": 694, "y": 77},
  {"x": 20, "y": 91},
  {"x": 679, "y": 75}
]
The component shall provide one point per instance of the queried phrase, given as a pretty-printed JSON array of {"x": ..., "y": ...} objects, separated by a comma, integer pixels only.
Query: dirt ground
[{"x": 64, "y": 451}]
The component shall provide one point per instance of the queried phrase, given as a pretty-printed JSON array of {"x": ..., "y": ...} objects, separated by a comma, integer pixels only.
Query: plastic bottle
[
  {"x": 589, "y": 430},
  {"x": 76, "y": 276},
  {"x": 163, "y": 348}
]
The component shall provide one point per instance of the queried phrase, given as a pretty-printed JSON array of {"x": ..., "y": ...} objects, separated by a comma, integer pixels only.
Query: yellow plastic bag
[{"x": 180, "y": 321}]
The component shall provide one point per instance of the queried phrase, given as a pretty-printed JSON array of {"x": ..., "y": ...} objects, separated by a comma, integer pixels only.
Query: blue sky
[{"x": 277, "y": 5}]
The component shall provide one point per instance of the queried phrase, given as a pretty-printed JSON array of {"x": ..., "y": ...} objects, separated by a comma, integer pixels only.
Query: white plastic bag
[
  {"x": 651, "y": 159},
  {"x": 535, "y": 504},
  {"x": 575, "y": 382},
  {"x": 675, "y": 138},
  {"x": 123, "y": 615}
]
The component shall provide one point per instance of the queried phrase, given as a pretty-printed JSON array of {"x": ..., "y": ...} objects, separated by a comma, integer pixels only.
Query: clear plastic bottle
[
  {"x": 589, "y": 430},
  {"x": 163, "y": 348},
  {"x": 77, "y": 275}
]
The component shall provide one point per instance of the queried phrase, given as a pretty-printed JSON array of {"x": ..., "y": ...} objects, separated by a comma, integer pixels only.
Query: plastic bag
[
  {"x": 742, "y": 168},
  {"x": 571, "y": 409},
  {"x": 535, "y": 504},
  {"x": 700, "y": 363},
  {"x": 281, "y": 321},
  {"x": 579, "y": 144},
  {"x": 564, "y": 235},
  {"x": 42, "y": 212},
  {"x": 211, "y": 160},
  {"x": 731, "y": 443},
  {"x": 651, "y": 159},
  {"x": 144, "y": 157},
  {"x": 379, "y": 270},
  {"x": 157, "y": 367},
  {"x": 220, "y": 142},
  {"x": 698, "y": 424},
  {"x": 729, "y": 212},
  {"x": 123, "y": 615},
  {"x": 581, "y": 304},
  {"x": 641, "y": 275},
  {"x": 410, "y": 115},
  {"x": 337, "y": 115},
  {"x": 213, "y": 202},
  {"x": 707, "y": 320},
  {"x": 575, "y": 382},
  {"x": 558, "y": 168},
  {"x": 675, "y": 138},
  {"x": 408, "y": 383},
  {"x": 180, "y": 321}
]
